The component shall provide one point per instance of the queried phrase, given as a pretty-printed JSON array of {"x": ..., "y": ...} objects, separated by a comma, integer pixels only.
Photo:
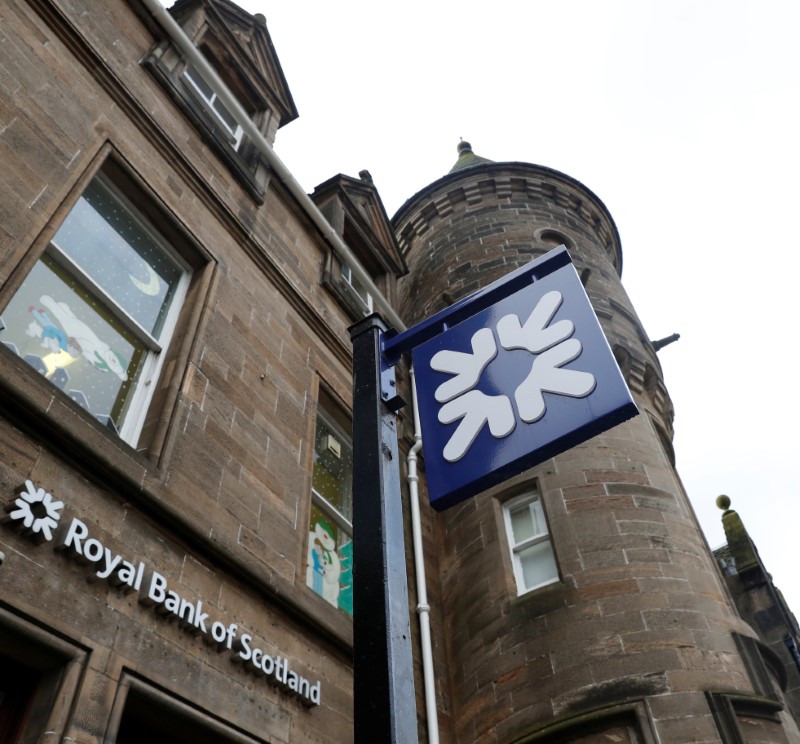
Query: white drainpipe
[
  {"x": 423, "y": 608},
  {"x": 199, "y": 62}
]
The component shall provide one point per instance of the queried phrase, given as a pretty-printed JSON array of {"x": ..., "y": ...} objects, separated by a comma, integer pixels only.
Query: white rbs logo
[
  {"x": 552, "y": 348},
  {"x": 36, "y": 512}
]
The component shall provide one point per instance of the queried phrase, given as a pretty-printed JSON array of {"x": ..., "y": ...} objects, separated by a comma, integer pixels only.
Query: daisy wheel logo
[
  {"x": 35, "y": 513},
  {"x": 550, "y": 347},
  {"x": 510, "y": 377}
]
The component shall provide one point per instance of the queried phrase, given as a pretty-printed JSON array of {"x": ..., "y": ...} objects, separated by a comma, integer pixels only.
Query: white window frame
[
  {"x": 360, "y": 292},
  {"x": 511, "y": 506},
  {"x": 153, "y": 361},
  {"x": 331, "y": 513},
  {"x": 321, "y": 502},
  {"x": 341, "y": 520},
  {"x": 212, "y": 103}
]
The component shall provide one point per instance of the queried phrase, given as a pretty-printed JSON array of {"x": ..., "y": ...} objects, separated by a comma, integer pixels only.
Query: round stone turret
[
  {"x": 485, "y": 219},
  {"x": 630, "y": 625}
]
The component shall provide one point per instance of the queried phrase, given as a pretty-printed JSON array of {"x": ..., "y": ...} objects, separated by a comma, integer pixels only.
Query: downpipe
[{"x": 423, "y": 608}]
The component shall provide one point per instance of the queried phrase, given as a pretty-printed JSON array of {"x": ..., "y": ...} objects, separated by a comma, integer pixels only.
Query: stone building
[
  {"x": 175, "y": 405},
  {"x": 761, "y": 604},
  {"x": 605, "y": 618}
]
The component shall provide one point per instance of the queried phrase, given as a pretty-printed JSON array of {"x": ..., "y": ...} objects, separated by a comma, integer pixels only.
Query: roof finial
[
  {"x": 723, "y": 502},
  {"x": 467, "y": 158}
]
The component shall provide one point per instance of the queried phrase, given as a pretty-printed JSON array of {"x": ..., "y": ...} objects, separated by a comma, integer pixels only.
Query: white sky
[{"x": 682, "y": 116}]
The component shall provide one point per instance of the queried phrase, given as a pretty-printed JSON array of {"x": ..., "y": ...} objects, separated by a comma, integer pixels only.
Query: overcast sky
[{"x": 683, "y": 117}]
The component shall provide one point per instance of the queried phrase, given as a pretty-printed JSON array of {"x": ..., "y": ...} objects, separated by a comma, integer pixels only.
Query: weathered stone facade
[
  {"x": 215, "y": 494},
  {"x": 210, "y": 498}
]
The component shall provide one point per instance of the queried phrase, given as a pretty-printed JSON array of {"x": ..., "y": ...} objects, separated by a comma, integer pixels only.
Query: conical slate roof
[{"x": 467, "y": 158}]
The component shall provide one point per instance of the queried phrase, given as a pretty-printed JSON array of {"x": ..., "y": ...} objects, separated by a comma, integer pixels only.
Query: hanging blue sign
[{"x": 510, "y": 377}]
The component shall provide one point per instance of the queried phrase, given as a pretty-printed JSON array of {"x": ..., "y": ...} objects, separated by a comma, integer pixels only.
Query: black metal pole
[{"x": 384, "y": 699}]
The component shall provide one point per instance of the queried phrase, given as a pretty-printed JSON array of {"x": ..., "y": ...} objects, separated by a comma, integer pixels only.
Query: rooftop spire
[
  {"x": 467, "y": 158},
  {"x": 739, "y": 543}
]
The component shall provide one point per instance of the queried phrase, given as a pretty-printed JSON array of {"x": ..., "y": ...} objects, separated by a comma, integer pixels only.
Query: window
[
  {"x": 357, "y": 288},
  {"x": 529, "y": 541},
  {"x": 215, "y": 106},
  {"x": 355, "y": 211},
  {"x": 553, "y": 239},
  {"x": 329, "y": 570},
  {"x": 98, "y": 308}
]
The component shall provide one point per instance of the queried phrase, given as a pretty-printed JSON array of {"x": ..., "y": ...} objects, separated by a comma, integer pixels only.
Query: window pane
[
  {"x": 198, "y": 80},
  {"x": 522, "y": 524},
  {"x": 225, "y": 116},
  {"x": 117, "y": 252},
  {"x": 330, "y": 546},
  {"x": 537, "y": 514},
  {"x": 333, "y": 468},
  {"x": 528, "y": 521},
  {"x": 538, "y": 564},
  {"x": 330, "y": 561},
  {"x": 61, "y": 331},
  {"x": 221, "y": 111},
  {"x": 358, "y": 287}
]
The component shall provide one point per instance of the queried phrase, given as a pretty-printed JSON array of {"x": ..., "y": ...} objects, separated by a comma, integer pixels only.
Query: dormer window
[
  {"x": 356, "y": 288},
  {"x": 238, "y": 48},
  {"x": 215, "y": 106},
  {"x": 355, "y": 211}
]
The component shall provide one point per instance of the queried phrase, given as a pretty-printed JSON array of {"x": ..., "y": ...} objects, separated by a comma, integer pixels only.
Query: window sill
[
  {"x": 539, "y": 601},
  {"x": 37, "y": 407}
]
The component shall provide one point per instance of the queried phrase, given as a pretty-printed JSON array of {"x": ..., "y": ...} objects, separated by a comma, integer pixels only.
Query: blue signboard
[{"x": 504, "y": 386}]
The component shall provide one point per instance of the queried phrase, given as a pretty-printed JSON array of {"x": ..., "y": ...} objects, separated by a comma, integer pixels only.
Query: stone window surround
[
  {"x": 338, "y": 276},
  {"x": 239, "y": 156},
  {"x": 157, "y": 412},
  {"x": 513, "y": 504},
  {"x": 88, "y": 292}
]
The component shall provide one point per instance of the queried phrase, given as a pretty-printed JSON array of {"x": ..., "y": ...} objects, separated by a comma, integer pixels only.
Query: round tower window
[{"x": 552, "y": 238}]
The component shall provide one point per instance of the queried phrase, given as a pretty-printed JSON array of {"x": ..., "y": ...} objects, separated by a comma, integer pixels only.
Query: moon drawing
[{"x": 150, "y": 287}]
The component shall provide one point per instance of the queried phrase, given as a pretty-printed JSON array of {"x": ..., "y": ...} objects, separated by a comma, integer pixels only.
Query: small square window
[
  {"x": 214, "y": 106},
  {"x": 329, "y": 570},
  {"x": 97, "y": 310},
  {"x": 529, "y": 543},
  {"x": 356, "y": 288}
]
